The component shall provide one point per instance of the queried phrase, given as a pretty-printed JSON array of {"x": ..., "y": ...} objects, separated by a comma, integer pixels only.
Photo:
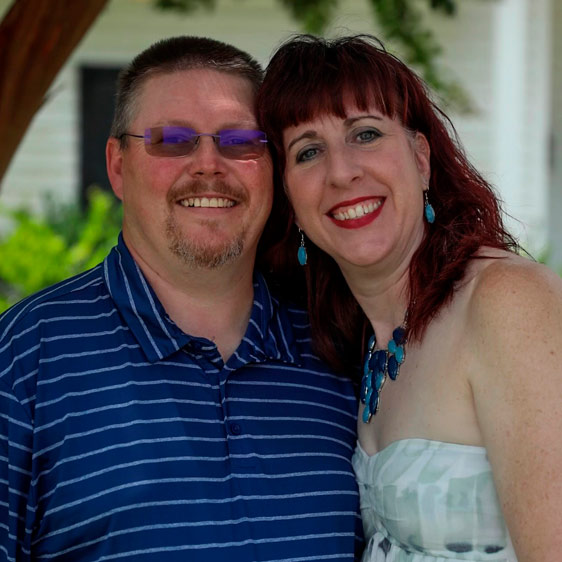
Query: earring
[
  {"x": 428, "y": 209},
  {"x": 301, "y": 254}
]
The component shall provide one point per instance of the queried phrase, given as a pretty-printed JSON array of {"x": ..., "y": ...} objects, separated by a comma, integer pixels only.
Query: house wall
[
  {"x": 501, "y": 51},
  {"x": 498, "y": 49},
  {"x": 555, "y": 192}
]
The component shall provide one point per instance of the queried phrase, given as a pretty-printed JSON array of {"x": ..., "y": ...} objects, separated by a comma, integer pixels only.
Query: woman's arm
[{"x": 515, "y": 329}]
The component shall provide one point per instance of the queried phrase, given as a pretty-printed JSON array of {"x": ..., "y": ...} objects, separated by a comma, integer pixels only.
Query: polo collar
[{"x": 269, "y": 335}]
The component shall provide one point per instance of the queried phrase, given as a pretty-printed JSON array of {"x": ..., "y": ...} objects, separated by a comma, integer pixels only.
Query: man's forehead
[
  {"x": 193, "y": 80},
  {"x": 187, "y": 96}
]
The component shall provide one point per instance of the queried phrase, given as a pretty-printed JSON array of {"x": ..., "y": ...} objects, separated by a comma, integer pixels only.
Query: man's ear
[
  {"x": 422, "y": 154},
  {"x": 114, "y": 164}
]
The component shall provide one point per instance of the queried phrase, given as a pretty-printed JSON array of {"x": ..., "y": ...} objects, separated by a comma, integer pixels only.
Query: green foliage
[
  {"x": 401, "y": 21},
  {"x": 185, "y": 6},
  {"x": 401, "y": 24},
  {"x": 313, "y": 15},
  {"x": 40, "y": 251}
]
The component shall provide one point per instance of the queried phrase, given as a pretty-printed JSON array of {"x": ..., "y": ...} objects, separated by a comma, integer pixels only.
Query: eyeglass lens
[{"x": 237, "y": 144}]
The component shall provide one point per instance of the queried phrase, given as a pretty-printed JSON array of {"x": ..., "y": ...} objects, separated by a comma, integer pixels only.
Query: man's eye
[
  {"x": 176, "y": 139},
  {"x": 306, "y": 154},
  {"x": 234, "y": 141}
]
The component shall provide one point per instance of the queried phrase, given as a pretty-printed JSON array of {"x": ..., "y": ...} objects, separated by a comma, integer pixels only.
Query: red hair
[{"x": 308, "y": 77}]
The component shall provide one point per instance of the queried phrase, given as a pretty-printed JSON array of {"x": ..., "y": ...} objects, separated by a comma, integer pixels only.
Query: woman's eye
[
  {"x": 306, "y": 154},
  {"x": 366, "y": 135}
]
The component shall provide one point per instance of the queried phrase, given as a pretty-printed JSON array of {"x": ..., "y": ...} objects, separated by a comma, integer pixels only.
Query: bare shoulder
[
  {"x": 513, "y": 330},
  {"x": 507, "y": 288}
]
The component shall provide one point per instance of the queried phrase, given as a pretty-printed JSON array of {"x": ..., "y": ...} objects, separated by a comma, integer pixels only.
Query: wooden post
[{"x": 36, "y": 39}]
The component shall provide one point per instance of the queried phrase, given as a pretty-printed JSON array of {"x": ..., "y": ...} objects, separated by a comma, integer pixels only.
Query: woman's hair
[{"x": 310, "y": 77}]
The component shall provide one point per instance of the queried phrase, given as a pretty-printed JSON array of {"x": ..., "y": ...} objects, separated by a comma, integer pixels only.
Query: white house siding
[
  {"x": 467, "y": 42},
  {"x": 501, "y": 51},
  {"x": 534, "y": 194},
  {"x": 555, "y": 202},
  {"x": 527, "y": 164},
  {"x": 506, "y": 137}
]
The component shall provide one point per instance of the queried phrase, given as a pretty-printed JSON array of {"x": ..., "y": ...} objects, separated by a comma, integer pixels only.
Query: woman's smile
[{"x": 358, "y": 213}]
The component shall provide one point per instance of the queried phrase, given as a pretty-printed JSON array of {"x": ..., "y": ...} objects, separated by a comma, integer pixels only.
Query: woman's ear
[{"x": 422, "y": 154}]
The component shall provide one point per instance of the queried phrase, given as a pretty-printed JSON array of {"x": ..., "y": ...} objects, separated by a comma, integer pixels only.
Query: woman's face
[{"x": 356, "y": 185}]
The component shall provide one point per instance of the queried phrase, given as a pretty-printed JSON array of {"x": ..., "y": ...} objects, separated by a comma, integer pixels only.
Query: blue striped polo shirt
[{"x": 123, "y": 438}]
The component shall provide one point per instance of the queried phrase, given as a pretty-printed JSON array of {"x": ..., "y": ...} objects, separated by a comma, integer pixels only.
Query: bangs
[{"x": 313, "y": 77}]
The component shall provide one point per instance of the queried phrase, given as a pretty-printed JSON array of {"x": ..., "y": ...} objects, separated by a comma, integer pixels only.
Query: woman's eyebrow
[
  {"x": 310, "y": 134},
  {"x": 350, "y": 120}
]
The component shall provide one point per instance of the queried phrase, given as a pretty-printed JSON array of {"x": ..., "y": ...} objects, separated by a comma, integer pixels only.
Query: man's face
[{"x": 201, "y": 210}]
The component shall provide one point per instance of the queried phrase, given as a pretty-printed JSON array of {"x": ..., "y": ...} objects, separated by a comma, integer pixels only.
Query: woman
[{"x": 460, "y": 421}]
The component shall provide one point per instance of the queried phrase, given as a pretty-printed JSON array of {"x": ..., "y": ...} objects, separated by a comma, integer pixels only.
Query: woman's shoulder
[
  {"x": 507, "y": 292},
  {"x": 505, "y": 277}
]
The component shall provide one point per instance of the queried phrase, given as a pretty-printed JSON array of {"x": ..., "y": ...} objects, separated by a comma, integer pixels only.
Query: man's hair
[
  {"x": 310, "y": 77},
  {"x": 176, "y": 54}
]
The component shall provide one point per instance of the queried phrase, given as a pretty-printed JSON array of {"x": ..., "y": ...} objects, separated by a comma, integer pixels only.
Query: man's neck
[{"x": 215, "y": 304}]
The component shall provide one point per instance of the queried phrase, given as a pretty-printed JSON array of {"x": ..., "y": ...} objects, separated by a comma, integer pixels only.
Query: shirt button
[{"x": 235, "y": 429}]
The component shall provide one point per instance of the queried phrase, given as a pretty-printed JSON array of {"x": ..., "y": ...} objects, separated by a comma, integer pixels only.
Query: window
[{"x": 97, "y": 102}]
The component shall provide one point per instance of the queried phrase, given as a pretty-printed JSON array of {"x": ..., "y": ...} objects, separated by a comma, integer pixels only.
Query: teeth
[
  {"x": 206, "y": 202},
  {"x": 357, "y": 211}
]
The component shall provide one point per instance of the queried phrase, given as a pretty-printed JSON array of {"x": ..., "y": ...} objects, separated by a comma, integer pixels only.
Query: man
[{"x": 165, "y": 405}]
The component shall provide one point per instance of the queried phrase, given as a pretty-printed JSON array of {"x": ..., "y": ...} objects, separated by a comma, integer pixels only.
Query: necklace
[{"x": 380, "y": 363}]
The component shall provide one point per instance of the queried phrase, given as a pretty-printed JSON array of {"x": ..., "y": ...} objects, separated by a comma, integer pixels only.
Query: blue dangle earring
[
  {"x": 301, "y": 254},
  {"x": 428, "y": 209}
]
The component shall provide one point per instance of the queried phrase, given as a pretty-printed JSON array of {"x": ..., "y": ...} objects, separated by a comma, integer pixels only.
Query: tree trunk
[{"x": 36, "y": 39}]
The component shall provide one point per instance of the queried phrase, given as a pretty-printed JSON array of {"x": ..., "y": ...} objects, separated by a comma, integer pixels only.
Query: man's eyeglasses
[{"x": 173, "y": 142}]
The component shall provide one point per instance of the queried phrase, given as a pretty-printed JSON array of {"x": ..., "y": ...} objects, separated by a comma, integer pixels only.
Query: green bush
[{"x": 41, "y": 250}]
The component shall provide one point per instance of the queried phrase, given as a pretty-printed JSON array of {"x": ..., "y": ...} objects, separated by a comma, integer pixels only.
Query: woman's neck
[{"x": 384, "y": 299}]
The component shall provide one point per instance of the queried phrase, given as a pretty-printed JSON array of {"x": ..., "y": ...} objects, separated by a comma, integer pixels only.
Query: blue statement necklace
[{"x": 380, "y": 364}]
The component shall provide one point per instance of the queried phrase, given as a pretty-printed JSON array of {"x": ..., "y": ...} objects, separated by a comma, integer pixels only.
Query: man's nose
[{"x": 206, "y": 158}]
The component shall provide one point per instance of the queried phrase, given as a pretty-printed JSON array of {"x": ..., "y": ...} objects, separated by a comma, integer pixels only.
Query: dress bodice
[{"x": 429, "y": 501}]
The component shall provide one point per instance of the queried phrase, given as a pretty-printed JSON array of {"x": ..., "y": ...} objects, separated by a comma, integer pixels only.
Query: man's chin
[
  {"x": 205, "y": 256},
  {"x": 205, "y": 248}
]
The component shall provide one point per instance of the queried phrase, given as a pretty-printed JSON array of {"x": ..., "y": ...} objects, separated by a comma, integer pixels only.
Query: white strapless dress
[{"x": 429, "y": 501}]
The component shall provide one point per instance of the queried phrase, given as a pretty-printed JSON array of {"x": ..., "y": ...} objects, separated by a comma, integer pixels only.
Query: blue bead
[
  {"x": 369, "y": 395},
  {"x": 371, "y": 343},
  {"x": 366, "y": 414},
  {"x": 379, "y": 380},
  {"x": 429, "y": 214},
  {"x": 366, "y": 368},
  {"x": 393, "y": 368},
  {"x": 392, "y": 346},
  {"x": 373, "y": 361},
  {"x": 366, "y": 384},
  {"x": 380, "y": 360},
  {"x": 373, "y": 402},
  {"x": 399, "y": 354},
  {"x": 301, "y": 254},
  {"x": 399, "y": 335}
]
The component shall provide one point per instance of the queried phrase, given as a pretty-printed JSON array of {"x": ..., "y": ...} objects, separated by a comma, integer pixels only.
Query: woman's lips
[{"x": 356, "y": 213}]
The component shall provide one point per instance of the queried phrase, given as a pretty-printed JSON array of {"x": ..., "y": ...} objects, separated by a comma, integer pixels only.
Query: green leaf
[
  {"x": 185, "y": 6},
  {"x": 313, "y": 15},
  {"x": 41, "y": 250}
]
